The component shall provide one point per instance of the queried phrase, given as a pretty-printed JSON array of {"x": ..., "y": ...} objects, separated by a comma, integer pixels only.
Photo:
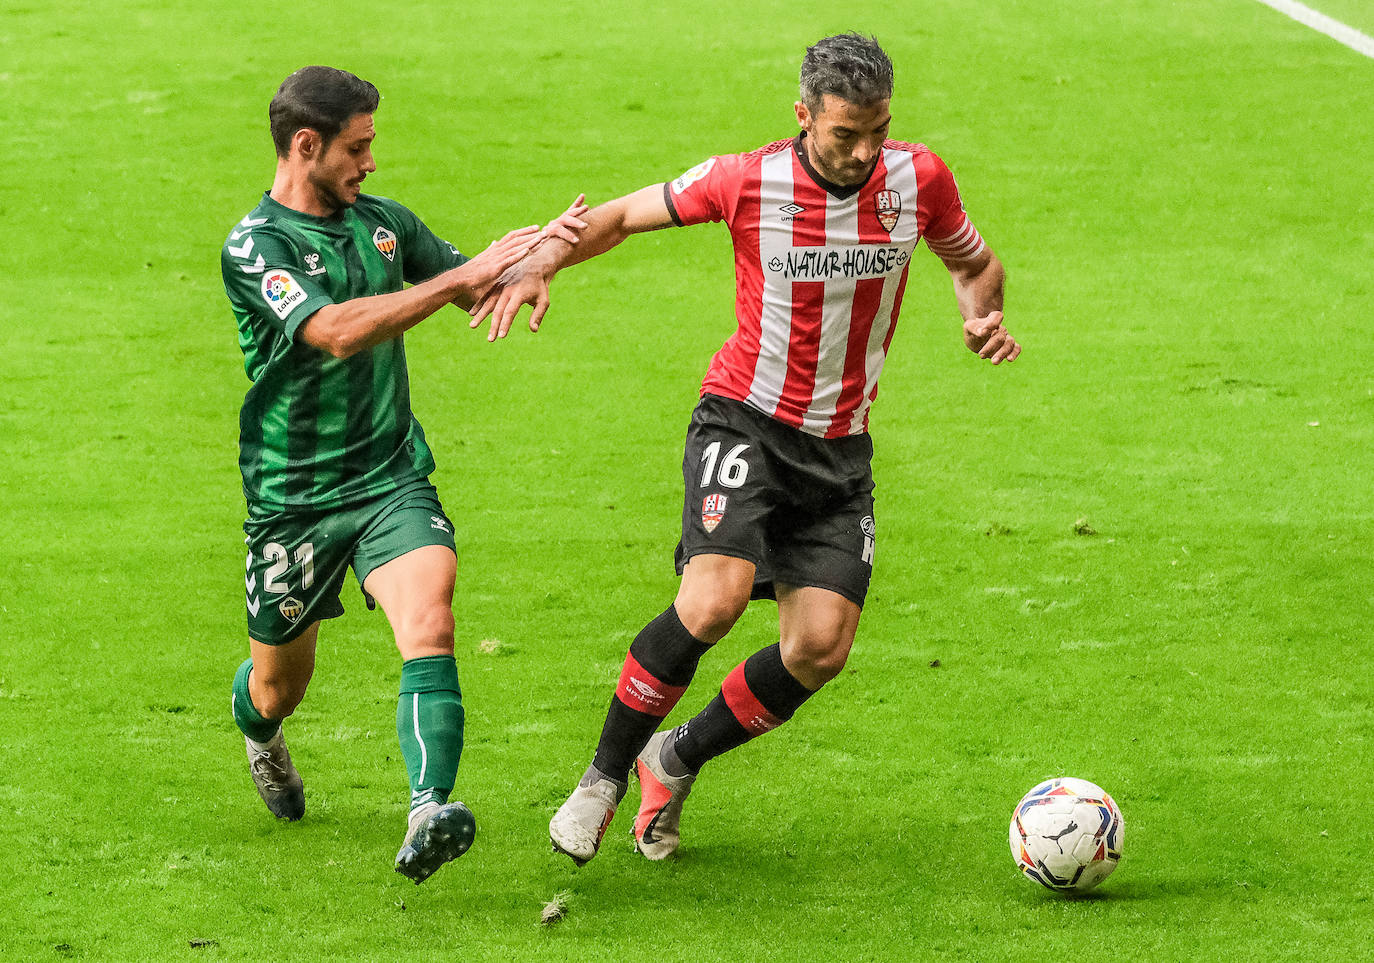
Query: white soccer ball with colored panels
[{"x": 1066, "y": 834}]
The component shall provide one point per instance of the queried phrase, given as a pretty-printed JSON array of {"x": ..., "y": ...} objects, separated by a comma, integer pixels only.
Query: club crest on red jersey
[
  {"x": 712, "y": 512},
  {"x": 889, "y": 206},
  {"x": 386, "y": 243}
]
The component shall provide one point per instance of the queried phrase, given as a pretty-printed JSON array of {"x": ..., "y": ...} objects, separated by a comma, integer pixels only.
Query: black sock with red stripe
[
  {"x": 758, "y": 695},
  {"x": 660, "y": 665}
]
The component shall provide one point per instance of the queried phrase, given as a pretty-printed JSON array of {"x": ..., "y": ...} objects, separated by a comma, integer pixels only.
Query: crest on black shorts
[
  {"x": 712, "y": 511},
  {"x": 889, "y": 205}
]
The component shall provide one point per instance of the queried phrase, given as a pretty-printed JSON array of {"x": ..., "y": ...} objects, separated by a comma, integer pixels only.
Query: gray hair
[{"x": 849, "y": 66}]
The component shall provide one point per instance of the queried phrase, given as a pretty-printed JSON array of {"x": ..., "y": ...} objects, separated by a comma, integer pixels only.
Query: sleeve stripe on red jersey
[
  {"x": 672, "y": 208},
  {"x": 962, "y": 245}
]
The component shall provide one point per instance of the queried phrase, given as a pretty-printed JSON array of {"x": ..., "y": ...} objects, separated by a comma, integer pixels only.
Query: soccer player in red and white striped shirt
[{"x": 777, "y": 467}]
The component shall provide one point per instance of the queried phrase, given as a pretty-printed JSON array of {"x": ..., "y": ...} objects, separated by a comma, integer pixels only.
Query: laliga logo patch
[
  {"x": 291, "y": 609},
  {"x": 386, "y": 243},
  {"x": 889, "y": 205},
  {"x": 281, "y": 292},
  {"x": 693, "y": 175},
  {"x": 712, "y": 512}
]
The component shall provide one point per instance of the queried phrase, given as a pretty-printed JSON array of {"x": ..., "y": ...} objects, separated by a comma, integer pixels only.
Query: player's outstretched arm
[
  {"x": 348, "y": 327},
  {"x": 567, "y": 226},
  {"x": 978, "y": 288},
  {"x": 528, "y": 281}
]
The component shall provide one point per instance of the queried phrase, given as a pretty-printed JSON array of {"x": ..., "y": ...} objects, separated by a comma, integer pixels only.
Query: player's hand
[
  {"x": 569, "y": 225},
  {"x": 518, "y": 285},
  {"x": 987, "y": 338},
  {"x": 482, "y": 271}
]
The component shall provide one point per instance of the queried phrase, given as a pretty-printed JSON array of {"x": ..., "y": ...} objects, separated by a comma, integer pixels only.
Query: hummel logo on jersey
[
  {"x": 386, "y": 243},
  {"x": 870, "y": 531},
  {"x": 438, "y": 523},
  {"x": 312, "y": 265}
]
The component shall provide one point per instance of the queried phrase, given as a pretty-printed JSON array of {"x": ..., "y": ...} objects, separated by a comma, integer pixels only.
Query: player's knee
[
  {"x": 429, "y": 632},
  {"x": 277, "y": 698},
  {"x": 709, "y": 618},
  {"x": 814, "y": 662}
]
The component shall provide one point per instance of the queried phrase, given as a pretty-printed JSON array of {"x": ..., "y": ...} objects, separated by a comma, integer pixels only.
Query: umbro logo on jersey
[
  {"x": 386, "y": 243},
  {"x": 889, "y": 208},
  {"x": 790, "y": 212},
  {"x": 312, "y": 265}
]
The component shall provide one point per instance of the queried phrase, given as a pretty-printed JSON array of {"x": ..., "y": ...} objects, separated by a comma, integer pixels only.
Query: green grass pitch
[{"x": 1139, "y": 555}]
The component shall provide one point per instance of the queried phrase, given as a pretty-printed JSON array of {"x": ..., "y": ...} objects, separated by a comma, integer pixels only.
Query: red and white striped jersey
[{"x": 819, "y": 273}]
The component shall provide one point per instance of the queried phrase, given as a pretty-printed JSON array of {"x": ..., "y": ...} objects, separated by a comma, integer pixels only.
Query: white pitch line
[{"x": 1320, "y": 22}]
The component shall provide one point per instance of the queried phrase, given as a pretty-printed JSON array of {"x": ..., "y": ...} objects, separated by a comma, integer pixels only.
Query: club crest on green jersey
[{"x": 386, "y": 243}]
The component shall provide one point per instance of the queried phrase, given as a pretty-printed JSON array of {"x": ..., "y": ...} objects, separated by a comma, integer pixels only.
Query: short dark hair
[
  {"x": 850, "y": 66},
  {"x": 319, "y": 98}
]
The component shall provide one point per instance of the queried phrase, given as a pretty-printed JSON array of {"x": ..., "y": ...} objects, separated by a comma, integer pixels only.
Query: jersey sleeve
[
  {"x": 949, "y": 232},
  {"x": 426, "y": 254},
  {"x": 262, "y": 280},
  {"x": 704, "y": 193}
]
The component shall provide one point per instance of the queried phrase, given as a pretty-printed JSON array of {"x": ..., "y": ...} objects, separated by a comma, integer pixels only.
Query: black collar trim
[{"x": 838, "y": 191}]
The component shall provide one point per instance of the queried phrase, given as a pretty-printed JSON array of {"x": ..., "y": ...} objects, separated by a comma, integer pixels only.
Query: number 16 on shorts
[{"x": 728, "y": 472}]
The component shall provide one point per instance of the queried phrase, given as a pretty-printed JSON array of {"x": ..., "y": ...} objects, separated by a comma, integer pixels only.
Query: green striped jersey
[{"x": 317, "y": 431}]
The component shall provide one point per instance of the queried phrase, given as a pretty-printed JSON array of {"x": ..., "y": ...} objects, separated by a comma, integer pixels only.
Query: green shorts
[{"x": 297, "y": 559}]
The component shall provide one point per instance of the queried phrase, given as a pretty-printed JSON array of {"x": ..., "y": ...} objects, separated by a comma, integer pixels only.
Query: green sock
[
  {"x": 429, "y": 723},
  {"x": 246, "y": 715}
]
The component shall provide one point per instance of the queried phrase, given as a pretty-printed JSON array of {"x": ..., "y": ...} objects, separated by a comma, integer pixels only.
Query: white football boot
[{"x": 580, "y": 823}]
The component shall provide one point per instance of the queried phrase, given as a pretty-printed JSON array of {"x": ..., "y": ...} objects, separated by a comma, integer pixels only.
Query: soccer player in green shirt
[{"x": 335, "y": 467}]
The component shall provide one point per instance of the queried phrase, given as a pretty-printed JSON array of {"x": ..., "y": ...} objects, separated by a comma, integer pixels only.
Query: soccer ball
[{"x": 1066, "y": 834}]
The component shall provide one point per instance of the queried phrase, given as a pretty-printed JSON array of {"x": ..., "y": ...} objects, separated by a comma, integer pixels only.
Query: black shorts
[{"x": 797, "y": 506}]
